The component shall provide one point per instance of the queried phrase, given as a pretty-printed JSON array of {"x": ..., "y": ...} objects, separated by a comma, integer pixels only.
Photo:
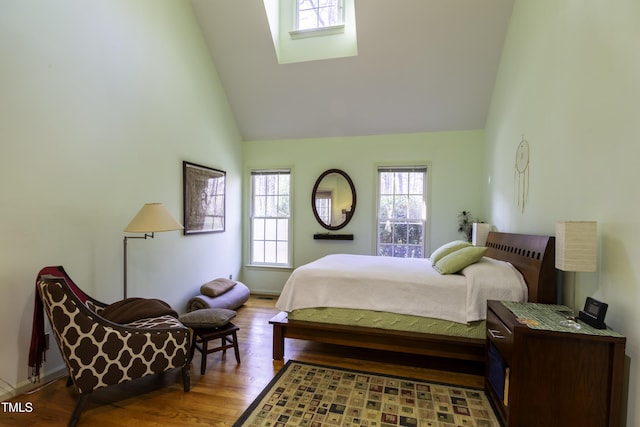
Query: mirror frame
[{"x": 353, "y": 198}]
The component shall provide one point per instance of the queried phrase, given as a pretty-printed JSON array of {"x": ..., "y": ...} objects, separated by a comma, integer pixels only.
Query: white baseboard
[
  {"x": 258, "y": 294},
  {"x": 27, "y": 386}
]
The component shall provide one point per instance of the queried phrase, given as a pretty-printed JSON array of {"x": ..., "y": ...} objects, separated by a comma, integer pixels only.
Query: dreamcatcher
[{"x": 521, "y": 174}]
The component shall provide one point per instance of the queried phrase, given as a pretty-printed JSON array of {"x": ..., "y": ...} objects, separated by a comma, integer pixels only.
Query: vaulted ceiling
[{"x": 422, "y": 66}]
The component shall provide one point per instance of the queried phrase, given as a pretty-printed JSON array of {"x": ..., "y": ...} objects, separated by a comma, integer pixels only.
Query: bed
[{"x": 532, "y": 256}]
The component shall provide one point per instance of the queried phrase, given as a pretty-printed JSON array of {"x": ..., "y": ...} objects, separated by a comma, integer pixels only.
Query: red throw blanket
[{"x": 38, "y": 345}]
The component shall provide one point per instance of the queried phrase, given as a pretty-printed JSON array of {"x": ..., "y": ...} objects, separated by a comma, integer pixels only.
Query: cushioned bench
[{"x": 231, "y": 299}]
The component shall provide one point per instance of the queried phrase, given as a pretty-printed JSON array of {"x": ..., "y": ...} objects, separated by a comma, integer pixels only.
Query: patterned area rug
[{"x": 304, "y": 394}]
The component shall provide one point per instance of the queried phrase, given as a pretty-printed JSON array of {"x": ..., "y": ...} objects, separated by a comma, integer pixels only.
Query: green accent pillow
[
  {"x": 207, "y": 318},
  {"x": 459, "y": 259},
  {"x": 446, "y": 249}
]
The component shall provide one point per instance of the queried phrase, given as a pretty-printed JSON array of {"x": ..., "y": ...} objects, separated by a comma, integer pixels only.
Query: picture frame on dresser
[{"x": 203, "y": 198}]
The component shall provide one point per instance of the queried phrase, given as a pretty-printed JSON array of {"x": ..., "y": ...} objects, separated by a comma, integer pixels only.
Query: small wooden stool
[{"x": 226, "y": 333}]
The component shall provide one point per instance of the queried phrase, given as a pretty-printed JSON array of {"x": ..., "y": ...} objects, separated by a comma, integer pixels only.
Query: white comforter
[{"x": 401, "y": 285}]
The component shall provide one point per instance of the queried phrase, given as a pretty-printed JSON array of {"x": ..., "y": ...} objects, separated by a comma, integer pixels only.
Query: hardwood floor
[{"x": 220, "y": 396}]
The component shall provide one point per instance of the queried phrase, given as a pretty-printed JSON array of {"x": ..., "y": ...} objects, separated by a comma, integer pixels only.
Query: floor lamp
[
  {"x": 152, "y": 218},
  {"x": 576, "y": 251}
]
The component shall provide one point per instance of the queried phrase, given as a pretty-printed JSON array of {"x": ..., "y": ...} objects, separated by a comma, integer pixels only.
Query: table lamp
[{"x": 576, "y": 251}]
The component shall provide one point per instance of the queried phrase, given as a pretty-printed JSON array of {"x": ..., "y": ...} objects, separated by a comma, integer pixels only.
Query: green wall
[
  {"x": 456, "y": 165},
  {"x": 568, "y": 81},
  {"x": 101, "y": 102}
]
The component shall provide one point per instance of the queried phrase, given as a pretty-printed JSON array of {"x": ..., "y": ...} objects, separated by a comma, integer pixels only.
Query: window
[
  {"x": 270, "y": 217},
  {"x": 323, "y": 205},
  {"x": 312, "y": 30},
  {"x": 318, "y": 14},
  {"x": 402, "y": 206}
]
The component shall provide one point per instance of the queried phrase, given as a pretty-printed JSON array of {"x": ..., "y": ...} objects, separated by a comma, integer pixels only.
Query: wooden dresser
[{"x": 539, "y": 373}]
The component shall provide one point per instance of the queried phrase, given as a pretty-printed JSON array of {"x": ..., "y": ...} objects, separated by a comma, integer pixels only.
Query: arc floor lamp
[{"x": 152, "y": 218}]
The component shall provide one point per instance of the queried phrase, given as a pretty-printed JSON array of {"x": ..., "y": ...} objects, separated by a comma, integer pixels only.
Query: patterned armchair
[{"x": 100, "y": 353}]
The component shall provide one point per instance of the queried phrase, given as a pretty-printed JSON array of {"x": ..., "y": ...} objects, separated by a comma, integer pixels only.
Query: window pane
[
  {"x": 326, "y": 17},
  {"x": 272, "y": 183},
  {"x": 386, "y": 183},
  {"x": 386, "y": 207},
  {"x": 417, "y": 183},
  {"x": 400, "y": 251},
  {"x": 258, "y": 229},
  {"x": 270, "y": 252},
  {"x": 272, "y": 206},
  {"x": 314, "y": 14},
  {"x": 282, "y": 233},
  {"x": 270, "y": 229},
  {"x": 307, "y": 4},
  {"x": 400, "y": 207},
  {"x": 386, "y": 250},
  {"x": 307, "y": 19},
  {"x": 259, "y": 185},
  {"x": 283, "y": 185},
  {"x": 400, "y": 233},
  {"x": 414, "y": 210},
  {"x": 283, "y": 206},
  {"x": 258, "y": 251},
  {"x": 283, "y": 252},
  {"x": 414, "y": 235},
  {"x": 259, "y": 206},
  {"x": 384, "y": 232}
]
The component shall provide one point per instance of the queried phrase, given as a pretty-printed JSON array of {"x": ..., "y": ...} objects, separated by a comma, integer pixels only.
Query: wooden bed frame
[{"x": 533, "y": 256}]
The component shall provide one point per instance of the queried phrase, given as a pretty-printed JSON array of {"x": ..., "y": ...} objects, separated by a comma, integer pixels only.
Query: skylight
[
  {"x": 309, "y": 30},
  {"x": 317, "y": 14}
]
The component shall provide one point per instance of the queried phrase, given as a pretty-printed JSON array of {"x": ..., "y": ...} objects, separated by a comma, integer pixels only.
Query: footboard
[{"x": 374, "y": 338}]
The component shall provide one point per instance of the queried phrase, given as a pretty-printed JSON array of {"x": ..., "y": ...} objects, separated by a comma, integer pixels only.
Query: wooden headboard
[{"x": 533, "y": 256}]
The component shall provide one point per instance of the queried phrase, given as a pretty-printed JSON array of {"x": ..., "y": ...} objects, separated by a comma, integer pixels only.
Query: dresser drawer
[{"x": 499, "y": 335}]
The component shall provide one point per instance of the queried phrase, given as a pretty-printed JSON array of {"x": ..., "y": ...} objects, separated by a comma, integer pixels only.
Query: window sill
[
  {"x": 317, "y": 32},
  {"x": 268, "y": 267}
]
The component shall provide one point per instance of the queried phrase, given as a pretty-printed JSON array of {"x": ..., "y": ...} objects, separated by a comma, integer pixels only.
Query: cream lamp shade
[
  {"x": 576, "y": 246},
  {"x": 479, "y": 234},
  {"x": 153, "y": 217}
]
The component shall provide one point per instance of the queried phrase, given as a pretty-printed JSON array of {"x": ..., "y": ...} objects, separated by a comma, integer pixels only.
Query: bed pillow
[
  {"x": 217, "y": 287},
  {"x": 460, "y": 259},
  {"x": 447, "y": 249},
  {"x": 208, "y": 318}
]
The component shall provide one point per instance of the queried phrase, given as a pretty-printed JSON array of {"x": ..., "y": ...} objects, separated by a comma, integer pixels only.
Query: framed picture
[{"x": 204, "y": 193}]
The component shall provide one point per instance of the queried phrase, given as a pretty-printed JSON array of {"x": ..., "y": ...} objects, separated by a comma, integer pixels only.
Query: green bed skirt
[{"x": 384, "y": 320}]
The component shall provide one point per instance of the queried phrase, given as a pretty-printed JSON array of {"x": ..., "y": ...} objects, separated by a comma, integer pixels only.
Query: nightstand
[{"x": 539, "y": 373}]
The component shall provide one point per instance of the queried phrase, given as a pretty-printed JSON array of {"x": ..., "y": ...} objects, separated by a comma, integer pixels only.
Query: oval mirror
[{"x": 333, "y": 199}]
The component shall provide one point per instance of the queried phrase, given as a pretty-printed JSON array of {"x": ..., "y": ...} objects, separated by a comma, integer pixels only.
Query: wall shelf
[{"x": 328, "y": 236}]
